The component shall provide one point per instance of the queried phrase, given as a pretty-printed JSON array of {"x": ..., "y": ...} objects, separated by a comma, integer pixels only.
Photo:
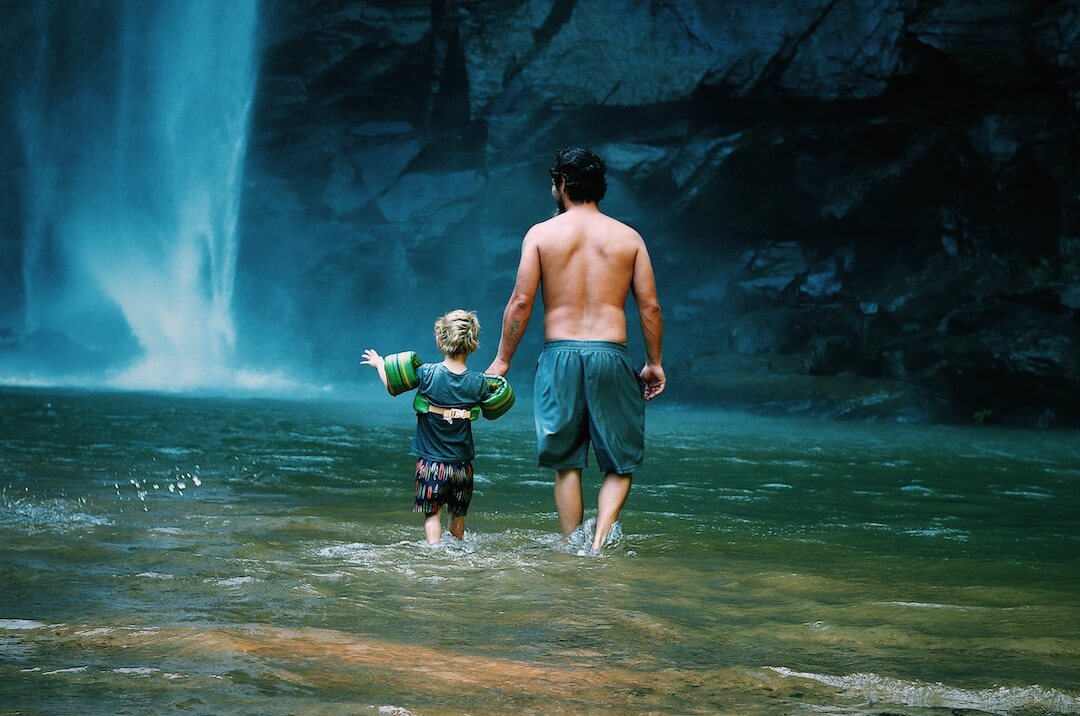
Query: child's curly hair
[{"x": 457, "y": 333}]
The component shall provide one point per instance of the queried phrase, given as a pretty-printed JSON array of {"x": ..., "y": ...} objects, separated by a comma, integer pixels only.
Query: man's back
[{"x": 587, "y": 262}]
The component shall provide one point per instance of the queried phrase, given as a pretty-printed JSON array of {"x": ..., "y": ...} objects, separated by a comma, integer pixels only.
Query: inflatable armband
[
  {"x": 401, "y": 372},
  {"x": 501, "y": 399}
]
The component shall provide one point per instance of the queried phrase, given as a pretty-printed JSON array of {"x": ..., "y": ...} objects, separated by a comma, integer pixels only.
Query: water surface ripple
[{"x": 207, "y": 555}]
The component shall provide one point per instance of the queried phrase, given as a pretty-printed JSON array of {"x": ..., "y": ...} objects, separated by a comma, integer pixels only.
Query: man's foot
[
  {"x": 613, "y": 539},
  {"x": 583, "y": 535},
  {"x": 589, "y": 552}
]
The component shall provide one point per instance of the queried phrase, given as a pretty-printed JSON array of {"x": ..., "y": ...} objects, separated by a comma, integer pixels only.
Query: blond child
[{"x": 443, "y": 443}]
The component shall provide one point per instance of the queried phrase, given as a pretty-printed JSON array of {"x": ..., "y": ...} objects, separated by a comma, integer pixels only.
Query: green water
[{"x": 767, "y": 566}]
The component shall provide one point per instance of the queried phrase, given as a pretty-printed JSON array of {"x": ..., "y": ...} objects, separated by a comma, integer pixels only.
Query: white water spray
[{"x": 135, "y": 125}]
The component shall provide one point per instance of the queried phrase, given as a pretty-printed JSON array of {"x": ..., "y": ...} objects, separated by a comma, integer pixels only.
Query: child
[{"x": 443, "y": 441}]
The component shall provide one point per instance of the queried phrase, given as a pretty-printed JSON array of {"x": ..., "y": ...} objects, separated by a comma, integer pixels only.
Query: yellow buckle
[{"x": 452, "y": 414}]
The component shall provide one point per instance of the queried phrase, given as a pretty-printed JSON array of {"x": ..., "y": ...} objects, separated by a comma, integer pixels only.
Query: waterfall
[{"x": 134, "y": 123}]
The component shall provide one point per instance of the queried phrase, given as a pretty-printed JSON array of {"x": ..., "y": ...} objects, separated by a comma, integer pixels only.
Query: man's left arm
[{"x": 652, "y": 323}]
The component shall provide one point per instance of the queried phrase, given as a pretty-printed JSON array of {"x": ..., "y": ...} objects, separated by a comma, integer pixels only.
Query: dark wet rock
[
  {"x": 825, "y": 278},
  {"x": 837, "y": 192},
  {"x": 988, "y": 42},
  {"x": 828, "y": 355},
  {"x": 826, "y": 65},
  {"x": 423, "y": 206},
  {"x": 765, "y": 330},
  {"x": 873, "y": 206},
  {"x": 775, "y": 383},
  {"x": 1070, "y": 296},
  {"x": 770, "y": 270},
  {"x": 832, "y": 191}
]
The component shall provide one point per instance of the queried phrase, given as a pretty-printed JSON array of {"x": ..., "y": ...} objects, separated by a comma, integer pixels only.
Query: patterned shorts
[{"x": 440, "y": 483}]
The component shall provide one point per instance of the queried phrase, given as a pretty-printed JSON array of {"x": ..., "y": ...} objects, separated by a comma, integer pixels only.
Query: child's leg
[
  {"x": 433, "y": 526},
  {"x": 457, "y": 526},
  {"x": 459, "y": 498}
]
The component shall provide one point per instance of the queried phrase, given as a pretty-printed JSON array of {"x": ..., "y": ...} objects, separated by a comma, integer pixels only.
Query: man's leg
[
  {"x": 568, "y": 499},
  {"x": 609, "y": 503},
  {"x": 457, "y": 526}
]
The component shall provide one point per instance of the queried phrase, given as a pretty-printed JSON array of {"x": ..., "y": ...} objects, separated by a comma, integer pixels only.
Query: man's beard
[{"x": 560, "y": 205}]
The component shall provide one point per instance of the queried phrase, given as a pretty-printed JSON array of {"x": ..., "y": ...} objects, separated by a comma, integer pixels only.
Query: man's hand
[
  {"x": 497, "y": 367},
  {"x": 653, "y": 375}
]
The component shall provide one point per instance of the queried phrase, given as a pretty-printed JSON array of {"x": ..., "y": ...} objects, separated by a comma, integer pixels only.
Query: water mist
[{"x": 135, "y": 124}]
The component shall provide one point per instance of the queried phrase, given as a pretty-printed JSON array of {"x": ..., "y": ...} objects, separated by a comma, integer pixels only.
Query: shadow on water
[{"x": 209, "y": 555}]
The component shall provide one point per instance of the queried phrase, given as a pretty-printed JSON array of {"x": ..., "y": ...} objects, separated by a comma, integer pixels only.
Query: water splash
[
  {"x": 581, "y": 539},
  {"x": 134, "y": 122}
]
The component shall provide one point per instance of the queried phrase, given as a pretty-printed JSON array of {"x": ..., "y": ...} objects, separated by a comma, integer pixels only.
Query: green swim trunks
[{"x": 588, "y": 391}]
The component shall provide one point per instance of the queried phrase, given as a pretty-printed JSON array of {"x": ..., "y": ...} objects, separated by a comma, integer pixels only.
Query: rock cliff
[{"x": 855, "y": 208}]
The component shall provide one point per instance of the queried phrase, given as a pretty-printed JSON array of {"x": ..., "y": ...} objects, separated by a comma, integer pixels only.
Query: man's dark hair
[{"x": 583, "y": 170}]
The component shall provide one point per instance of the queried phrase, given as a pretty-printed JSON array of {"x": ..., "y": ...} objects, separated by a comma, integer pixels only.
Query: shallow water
[{"x": 197, "y": 555}]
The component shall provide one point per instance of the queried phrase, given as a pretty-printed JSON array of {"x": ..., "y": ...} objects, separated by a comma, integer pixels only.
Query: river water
[{"x": 208, "y": 555}]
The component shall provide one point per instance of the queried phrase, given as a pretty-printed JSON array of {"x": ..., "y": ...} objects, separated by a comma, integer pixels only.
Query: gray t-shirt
[{"x": 436, "y": 439}]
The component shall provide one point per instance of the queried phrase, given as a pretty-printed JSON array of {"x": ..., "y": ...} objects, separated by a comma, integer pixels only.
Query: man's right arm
[
  {"x": 519, "y": 308},
  {"x": 652, "y": 324}
]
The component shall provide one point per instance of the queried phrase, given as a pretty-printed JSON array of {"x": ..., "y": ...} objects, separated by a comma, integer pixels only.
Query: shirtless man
[{"x": 586, "y": 389}]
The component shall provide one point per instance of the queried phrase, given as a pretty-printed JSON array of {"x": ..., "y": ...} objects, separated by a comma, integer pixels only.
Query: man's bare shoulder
[
  {"x": 629, "y": 231},
  {"x": 545, "y": 231},
  {"x": 624, "y": 233},
  {"x": 549, "y": 224},
  {"x": 596, "y": 223}
]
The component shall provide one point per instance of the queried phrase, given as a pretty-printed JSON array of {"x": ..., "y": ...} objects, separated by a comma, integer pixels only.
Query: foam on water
[
  {"x": 935, "y": 605},
  {"x": 942, "y": 532},
  {"x": 475, "y": 551},
  {"x": 917, "y": 489},
  {"x": 512, "y": 549},
  {"x": 20, "y": 624},
  {"x": 97, "y": 631},
  {"x": 136, "y": 670},
  {"x": 1029, "y": 494},
  {"x": 231, "y": 581},
  {"x": 68, "y": 670},
  {"x": 1001, "y": 699}
]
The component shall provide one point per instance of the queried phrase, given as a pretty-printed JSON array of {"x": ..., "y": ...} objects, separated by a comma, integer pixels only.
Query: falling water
[{"x": 134, "y": 123}]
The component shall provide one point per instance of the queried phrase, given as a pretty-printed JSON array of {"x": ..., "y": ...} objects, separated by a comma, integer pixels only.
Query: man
[{"x": 586, "y": 389}]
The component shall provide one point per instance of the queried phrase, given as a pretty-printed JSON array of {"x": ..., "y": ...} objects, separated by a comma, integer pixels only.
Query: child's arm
[{"x": 376, "y": 361}]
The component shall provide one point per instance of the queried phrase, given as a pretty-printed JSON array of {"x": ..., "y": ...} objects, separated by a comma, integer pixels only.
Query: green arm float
[{"x": 401, "y": 372}]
